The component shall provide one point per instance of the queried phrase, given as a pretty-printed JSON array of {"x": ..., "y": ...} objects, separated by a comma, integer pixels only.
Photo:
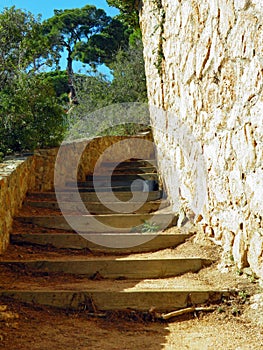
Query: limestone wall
[
  {"x": 204, "y": 66},
  {"x": 91, "y": 152},
  {"x": 15, "y": 180}
]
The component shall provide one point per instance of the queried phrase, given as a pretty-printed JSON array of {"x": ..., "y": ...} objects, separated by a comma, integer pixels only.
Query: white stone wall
[{"x": 204, "y": 66}]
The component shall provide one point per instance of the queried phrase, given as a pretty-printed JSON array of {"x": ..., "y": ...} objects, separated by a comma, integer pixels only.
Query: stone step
[
  {"x": 111, "y": 267},
  {"x": 99, "y": 208},
  {"x": 77, "y": 292},
  {"x": 104, "y": 223},
  {"x": 112, "y": 243},
  {"x": 84, "y": 298},
  {"x": 124, "y": 177},
  {"x": 92, "y": 197},
  {"x": 137, "y": 188},
  {"x": 127, "y": 170},
  {"x": 131, "y": 164},
  {"x": 143, "y": 185}
]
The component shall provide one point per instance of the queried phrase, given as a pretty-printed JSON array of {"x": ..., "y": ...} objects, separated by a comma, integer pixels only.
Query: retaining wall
[
  {"x": 204, "y": 68},
  {"x": 16, "y": 179}
]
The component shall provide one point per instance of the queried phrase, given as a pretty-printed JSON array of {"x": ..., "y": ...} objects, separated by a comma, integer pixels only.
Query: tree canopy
[
  {"x": 34, "y": 92},
  {"x": 96, "y": 92},
  {"x": 128, "y": 11},
  {"x": 31, "y": 115},
  {"x": 23, "y": 47},
  {"x": 103, "y": 47},
  {"x": 87, "y": 34}
]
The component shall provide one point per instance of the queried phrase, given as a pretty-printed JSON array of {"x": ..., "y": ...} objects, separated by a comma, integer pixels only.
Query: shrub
[{"x": 30, "y": 115}]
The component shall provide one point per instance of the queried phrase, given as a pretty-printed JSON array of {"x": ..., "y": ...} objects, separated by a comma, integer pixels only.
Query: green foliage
[
  {"x": 220, "y": 309},
  {"x": 88, "y": 35},
  {"x": 96, "y": 116},
  {"x": 59, "y": 82},
  {"x": 149, "y": 227},
  {"x": 235, "y": 311},
  {"x": 128, "y": 10},
  {"x": 243, "y": 295},
  {"x": 30, "y": 116},
  {"x": 22, "y": 45},
  {"x": 58, "y": 79},
  {"x": 103, "y": 47},
  {"x": 97, "y": 91},
  {"x": 129, "y": 80},
  {"x": 93, "y": 92},
  {"x": 70, "y": 26},
  {"x": 160, "y": 15},
  {"x": 128, "y": 83},
  {"x": 146, "y": 227},
  {"x": 32, "y": 101},
  {"x": 125, "y": 6}
]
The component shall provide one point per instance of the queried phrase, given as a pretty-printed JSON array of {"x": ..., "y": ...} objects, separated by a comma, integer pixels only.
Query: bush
[{"x": 30, "y": 115}]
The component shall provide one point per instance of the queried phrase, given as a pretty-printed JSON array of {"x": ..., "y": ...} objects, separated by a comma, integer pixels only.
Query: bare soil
[
  {"x": 231, "y": 326},
  {"x": 35, "y": 328}
]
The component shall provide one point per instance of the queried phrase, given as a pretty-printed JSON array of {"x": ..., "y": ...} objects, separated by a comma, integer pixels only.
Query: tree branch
[{"x": 187, "y": 311}]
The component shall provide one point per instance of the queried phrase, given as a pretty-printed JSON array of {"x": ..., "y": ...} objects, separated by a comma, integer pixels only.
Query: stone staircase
[{"x": 48, "y": 263}]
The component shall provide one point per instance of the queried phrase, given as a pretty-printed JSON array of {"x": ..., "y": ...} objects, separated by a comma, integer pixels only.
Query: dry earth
[
  {"x": 47, "y": 329},
  {"x": 234, "y": 325}
]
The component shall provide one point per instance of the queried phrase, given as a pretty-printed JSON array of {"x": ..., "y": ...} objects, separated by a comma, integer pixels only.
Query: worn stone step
[
  {"x": 124, "y": 177},
  {"x": 113, "y": 183},
  {"x": 99, "y": 208},
  {"x": 92, "y": 197},
  {"x": 103, "y": 223},
  {"x": 69, "y": 297},
  {"x": 105, "y": 243},
  {"x": 131, "y": 163},
  {"x": 138, "y": 188},
  {"x": 128, "y": 170},
  {"x": 111, "y": 267},
  {"x": 143, "y": 185},
  {"x": 78, "y": 292}
]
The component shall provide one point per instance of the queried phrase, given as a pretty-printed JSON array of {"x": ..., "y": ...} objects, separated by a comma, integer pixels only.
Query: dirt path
[
  {"x": 232, "y": 326},
  {"x": 47, "y": 329}
]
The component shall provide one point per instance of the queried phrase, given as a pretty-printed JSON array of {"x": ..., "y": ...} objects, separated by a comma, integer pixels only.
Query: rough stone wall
[
  {"x": 15, "y": 180},
  {"x": 204, "y": 67},
  {"x": 46, "y": 159}
]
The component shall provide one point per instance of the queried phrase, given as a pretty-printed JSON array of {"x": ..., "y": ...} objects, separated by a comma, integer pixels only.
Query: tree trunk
[{"x": 72, "y": 92}]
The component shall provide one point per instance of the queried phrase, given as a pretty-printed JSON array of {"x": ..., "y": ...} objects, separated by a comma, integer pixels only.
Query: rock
[
  {"x": 255, "y": 253},
  {"x": 248, "y": 271},
  {"x": 7, "y": 316},
  {"x": 3, "y": 308},
  {"x": 255, "y": 310},
  {"x": 240, "y": 249}
]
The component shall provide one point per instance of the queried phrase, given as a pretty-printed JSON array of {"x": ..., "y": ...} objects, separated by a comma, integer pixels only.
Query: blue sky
[{"x": 46, "y": 9}]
